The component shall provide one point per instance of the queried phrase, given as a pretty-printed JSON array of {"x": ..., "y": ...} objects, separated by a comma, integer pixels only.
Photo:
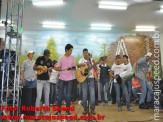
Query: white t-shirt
[
  {"x": 129, "y": 67},
  {"x": 53, "y": 78},
  {"x": 82, "y": 60},
  {"x": 118, "y": 69}
]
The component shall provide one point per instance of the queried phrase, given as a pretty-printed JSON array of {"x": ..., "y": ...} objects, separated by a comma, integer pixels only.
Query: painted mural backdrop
[
  {"x": 136, "y": 46},
  {"x": 98, "y": 44}
]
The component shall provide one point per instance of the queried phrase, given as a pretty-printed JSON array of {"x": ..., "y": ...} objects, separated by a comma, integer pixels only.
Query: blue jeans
[
  {"x": 80, "y": 92},
  {"x": 88, "y": 88},
  {"x": 64, "y": 85},
  {"x": 124, "y": 91},
  {"x": 105, "y": 82},
  {"x": 53, "y": 93},
  {"x": 30, "y": 83},
  {"x": 129, "y": 89},
  {"x": 135, "y": 91},
  {"x": 145, "y": 85}
]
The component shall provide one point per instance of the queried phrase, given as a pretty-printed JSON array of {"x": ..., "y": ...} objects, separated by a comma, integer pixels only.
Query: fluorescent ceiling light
[
  {"x": 161, "y": 8},
  {"x": 145, "y": 28},
  {"x": 101, "y": 26},
  {"x": 113, "y": 5},
  {"x": 47, "y": 2},
  {"x": 47, "y": 24}
]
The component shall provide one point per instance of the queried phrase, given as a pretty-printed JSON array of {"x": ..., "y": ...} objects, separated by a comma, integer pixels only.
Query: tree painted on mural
[
  {"x": 135, "y": 46},
  {"x": 51, "y": 45},
  {"x": 104, "y": 49}
]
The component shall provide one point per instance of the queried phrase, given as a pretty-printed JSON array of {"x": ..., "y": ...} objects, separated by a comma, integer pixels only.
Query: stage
[{"x": 111, "y": 114}]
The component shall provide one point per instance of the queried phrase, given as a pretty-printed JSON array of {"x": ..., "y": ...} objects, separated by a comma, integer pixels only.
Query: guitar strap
[{"x": 90, "y": 61}]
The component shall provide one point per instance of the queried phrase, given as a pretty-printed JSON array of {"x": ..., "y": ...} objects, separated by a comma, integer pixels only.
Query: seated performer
[{"x": 136, "y": 88}]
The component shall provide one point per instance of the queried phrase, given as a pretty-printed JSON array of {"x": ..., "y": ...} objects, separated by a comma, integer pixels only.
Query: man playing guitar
[
  {"x": 88, "y": 82},
  {"x": 44, "y": 64}
]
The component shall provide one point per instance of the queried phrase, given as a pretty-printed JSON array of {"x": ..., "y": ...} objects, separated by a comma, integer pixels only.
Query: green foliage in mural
[
  {"x": 104, "y": 49},
  {"x": 77, "y": 59},
  {"x": 51, "y": 45}
]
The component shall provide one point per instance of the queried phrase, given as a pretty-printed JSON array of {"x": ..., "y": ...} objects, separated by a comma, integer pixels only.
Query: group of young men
[{"x": 99, "y": 72}]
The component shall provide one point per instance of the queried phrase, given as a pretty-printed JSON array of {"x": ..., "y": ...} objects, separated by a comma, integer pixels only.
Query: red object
[{"x": 135, "y": 83}]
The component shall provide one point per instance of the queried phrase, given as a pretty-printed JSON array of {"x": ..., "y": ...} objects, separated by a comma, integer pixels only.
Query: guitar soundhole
[{"x": 86, "y": 72}]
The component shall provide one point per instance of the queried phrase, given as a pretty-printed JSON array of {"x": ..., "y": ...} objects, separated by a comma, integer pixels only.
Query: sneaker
[
  {"x": 102, "y": 104},
  {"x": 58, "y": 113},
  {"x": 93, "y": 112},
  {"x": 149, "y": 105},
  {"x": 119, "y": 109},
  {"x": 110, "y": 103},
  {"x": 85, "y": 112},
  {"x": 137, "y": 102},
  {"x": 68, "y": 113},
  {"x": 43, "y": 104},
  {"x": 130, "y": 109},
  {"x": 143, "y": 106}
]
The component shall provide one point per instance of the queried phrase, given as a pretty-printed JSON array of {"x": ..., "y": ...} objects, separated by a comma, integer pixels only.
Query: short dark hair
[
  {"x": 46, "y": 52},
  {"x": 117, "y": 56},
  {"x": 85, "y": 49},
  {"x": 125, "y": 56},
  {"x": 103, "y": 58},
  {"x": 68, "y": 47},
  {"x": 54, "y": 62}
]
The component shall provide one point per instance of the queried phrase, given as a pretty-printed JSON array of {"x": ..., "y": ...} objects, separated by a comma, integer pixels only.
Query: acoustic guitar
[
  {"x": 82, "y": 73},
  {"x": 39, "y": 72}
]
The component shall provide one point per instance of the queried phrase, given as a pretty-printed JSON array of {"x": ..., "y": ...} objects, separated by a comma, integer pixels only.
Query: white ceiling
[{"x": 79, "y": 14}]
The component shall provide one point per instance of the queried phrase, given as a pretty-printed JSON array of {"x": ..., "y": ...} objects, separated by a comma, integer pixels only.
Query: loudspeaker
[{"x": 28, "y": 99}]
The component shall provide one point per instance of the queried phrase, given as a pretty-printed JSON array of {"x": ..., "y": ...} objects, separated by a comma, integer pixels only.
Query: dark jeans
[
  {"x": 53, "y": 93},
  {"x": 68, "y": 86},
  {"x": 88, "y": 87},
  {"x": 96, "y": 91},
  {"x": 105, "y": 82},
  {"x": 124, "y": 91},
  {"x": 74, "y": 90}
]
